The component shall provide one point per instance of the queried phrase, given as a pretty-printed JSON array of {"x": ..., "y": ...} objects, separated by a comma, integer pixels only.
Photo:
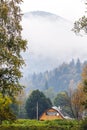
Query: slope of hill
[
  {"x": 51, "y": 42},
  {"x": 57, "y": 80}
]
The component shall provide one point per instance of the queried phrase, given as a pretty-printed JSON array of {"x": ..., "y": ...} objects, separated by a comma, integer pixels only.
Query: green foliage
[
  {"x": 81, "y": 24},
  {"x": 14, "y": 108},
  {"x": 42, "y": 125},
  {"x": 63, "y": 100},
  {"x": 84, "y": 124},
  {"x": 84, "y": 83},
  {"x": 31, "y": 104},
  {"x": 11, "y": 45},
  {"x": 19, "y": 107},
  {"x": 50, "y": 93},
  {"x": 5, "y": 111}
]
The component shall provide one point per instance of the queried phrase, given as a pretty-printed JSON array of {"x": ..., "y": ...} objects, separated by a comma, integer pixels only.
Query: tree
[
  {"x": 63, "y": 100},
  {"x": 78, "y": 66},
  {"x": 11, "y": 45},
  {"x": 50, "y": 93},
  {"x": 72, "y": 102},
  {"x": 19, "y": 107},
  {"x": 78, "y": 98},
  {"x": 5, "y": 111},
  {"x": 21, "y": 99},
  {"x": 79, "y": 25},
  {"x": 31, "y": 104},
  {"x": 84, "y": 83}
]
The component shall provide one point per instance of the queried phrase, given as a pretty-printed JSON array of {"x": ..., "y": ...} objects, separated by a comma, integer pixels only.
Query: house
[{"x": 52, "y": 114}]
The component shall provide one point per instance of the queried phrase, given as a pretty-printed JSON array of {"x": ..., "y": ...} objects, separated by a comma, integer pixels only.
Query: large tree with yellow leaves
[{"x": 11, "y": 45}]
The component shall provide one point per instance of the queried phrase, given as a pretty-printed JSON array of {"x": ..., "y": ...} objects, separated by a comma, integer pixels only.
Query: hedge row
[
  {"x": 36, "y": 128},
  {"x": 25, "y": 124}
]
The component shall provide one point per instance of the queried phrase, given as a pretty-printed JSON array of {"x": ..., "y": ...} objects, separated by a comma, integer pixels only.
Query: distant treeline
[{"x": 58, "y": 79}]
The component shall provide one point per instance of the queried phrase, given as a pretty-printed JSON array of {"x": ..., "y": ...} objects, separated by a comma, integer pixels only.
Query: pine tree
[{"x": 31, "y": 104}]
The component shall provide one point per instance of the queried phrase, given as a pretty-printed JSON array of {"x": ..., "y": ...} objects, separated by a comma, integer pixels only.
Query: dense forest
[{"x": 59, "y": 79}]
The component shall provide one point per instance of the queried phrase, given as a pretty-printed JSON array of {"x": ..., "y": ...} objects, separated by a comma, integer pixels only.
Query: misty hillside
[
  {"x": 50, "y": 42},
  {"x": 44, "y": 15},
  {"x": 39, "y": 13},
  {"x": 59, "y": 79}
]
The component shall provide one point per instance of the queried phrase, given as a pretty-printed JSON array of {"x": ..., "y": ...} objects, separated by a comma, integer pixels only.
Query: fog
[{"x": 51, "y": 41}]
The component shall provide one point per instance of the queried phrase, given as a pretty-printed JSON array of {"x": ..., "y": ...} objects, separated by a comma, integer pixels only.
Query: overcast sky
[{"x": 70, "y": 9}]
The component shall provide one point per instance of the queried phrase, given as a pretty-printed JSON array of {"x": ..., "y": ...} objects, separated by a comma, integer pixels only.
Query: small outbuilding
[{"x": 52, "y": 114}]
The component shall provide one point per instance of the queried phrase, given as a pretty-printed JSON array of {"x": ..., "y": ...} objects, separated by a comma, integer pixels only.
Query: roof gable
[{"x": 51, "y": 113}]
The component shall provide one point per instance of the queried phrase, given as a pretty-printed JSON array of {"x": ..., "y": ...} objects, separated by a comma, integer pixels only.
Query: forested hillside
[{"x": 59, "y": 79}]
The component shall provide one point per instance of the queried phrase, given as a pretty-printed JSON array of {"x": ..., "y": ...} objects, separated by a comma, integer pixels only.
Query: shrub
[
  {"x": 84, "y": 124},
  {"x": 25, "y": 124}
]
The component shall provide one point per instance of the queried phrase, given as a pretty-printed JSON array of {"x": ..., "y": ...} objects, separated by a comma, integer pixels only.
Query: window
[{"x": 52, "y": 113}]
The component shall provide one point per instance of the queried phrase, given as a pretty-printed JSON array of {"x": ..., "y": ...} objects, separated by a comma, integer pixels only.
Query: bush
[
  {"x": 25, "y": 124},
  {"x": 84, "y": 124}
]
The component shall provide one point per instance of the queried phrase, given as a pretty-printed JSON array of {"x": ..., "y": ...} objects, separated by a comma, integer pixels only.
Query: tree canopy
[
  {"x": 81, "y": 25},
  {"x": 31, "y": 104},
  {"x": 11, "y": 45}
]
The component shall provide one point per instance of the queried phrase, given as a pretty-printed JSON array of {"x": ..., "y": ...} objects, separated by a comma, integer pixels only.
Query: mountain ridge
[{"x": 44, "y": 14}]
